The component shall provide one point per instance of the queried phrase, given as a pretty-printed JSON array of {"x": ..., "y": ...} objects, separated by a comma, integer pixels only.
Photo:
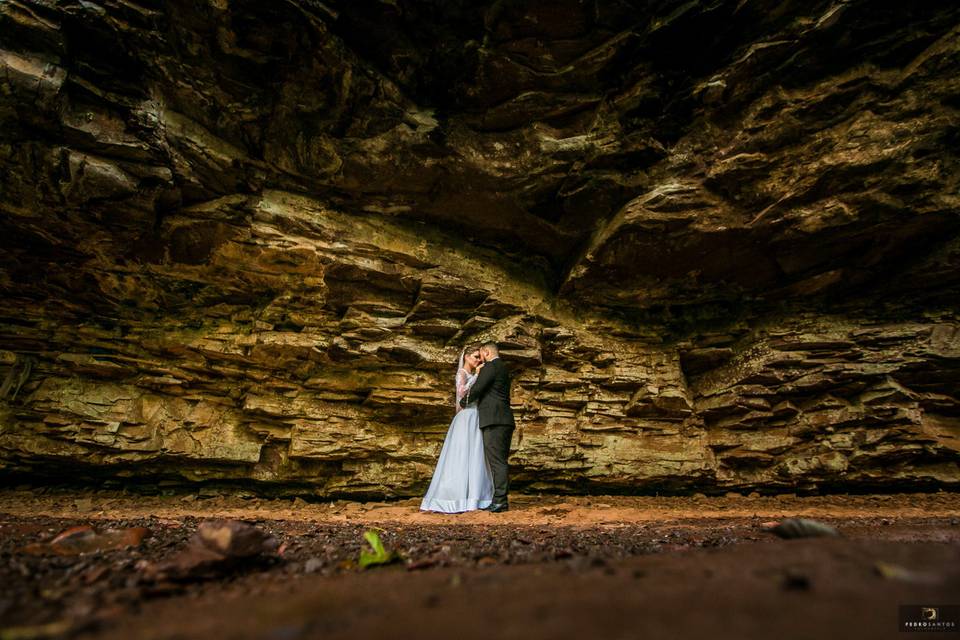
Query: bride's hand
[{"x": 480, "y": 366}]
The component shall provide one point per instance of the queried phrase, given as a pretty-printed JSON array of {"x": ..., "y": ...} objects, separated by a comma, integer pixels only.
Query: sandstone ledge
[{"x": 244, "y": 241}]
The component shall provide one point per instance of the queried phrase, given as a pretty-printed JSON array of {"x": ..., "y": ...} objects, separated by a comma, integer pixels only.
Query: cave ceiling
[{"x": 628, "y": 155}]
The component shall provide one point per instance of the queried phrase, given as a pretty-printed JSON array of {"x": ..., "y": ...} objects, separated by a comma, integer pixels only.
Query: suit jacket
[{"x": 492, "y": 393}]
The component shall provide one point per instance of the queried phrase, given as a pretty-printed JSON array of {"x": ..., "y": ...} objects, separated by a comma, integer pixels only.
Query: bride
[{"x": 462, "y": 479}]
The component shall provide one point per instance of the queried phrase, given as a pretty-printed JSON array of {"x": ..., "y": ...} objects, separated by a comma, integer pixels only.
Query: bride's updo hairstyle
[
  {"x": 463, "y": 354},
  {"x": 470, "y": 348}
]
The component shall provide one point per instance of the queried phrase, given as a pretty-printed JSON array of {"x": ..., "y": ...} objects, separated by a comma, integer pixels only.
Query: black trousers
[{"x": 496, "y": 448}]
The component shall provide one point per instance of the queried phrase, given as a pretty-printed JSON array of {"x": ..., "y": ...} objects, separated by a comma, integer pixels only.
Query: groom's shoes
[{"x": 497, "y": 507}]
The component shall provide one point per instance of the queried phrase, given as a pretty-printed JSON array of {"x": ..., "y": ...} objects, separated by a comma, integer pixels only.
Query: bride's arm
[{"x": 463, "y": 385}]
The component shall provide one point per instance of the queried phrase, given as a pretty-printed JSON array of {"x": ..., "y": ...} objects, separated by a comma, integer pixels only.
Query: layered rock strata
[{"x": 719, "y": 242}]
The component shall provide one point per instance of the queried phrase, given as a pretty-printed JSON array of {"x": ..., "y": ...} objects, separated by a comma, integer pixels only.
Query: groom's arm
[{"x": 480, "y": 387}]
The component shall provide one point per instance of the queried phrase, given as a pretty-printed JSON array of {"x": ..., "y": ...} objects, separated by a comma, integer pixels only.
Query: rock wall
[{"x": 718, "y": 241}]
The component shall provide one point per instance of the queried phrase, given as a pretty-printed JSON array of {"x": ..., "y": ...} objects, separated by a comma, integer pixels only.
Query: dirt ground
[{"x": 551, "y": 567}]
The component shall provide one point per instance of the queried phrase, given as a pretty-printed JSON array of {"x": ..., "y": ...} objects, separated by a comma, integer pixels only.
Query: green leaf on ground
[{"x": 380, "y": 555}]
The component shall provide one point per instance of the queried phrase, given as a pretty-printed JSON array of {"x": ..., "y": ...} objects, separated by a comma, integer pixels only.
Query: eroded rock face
[{"x": 718, "y": 242}]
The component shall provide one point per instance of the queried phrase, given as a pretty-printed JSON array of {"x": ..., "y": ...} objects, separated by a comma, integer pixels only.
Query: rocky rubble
[{"x": 244, "y": 241}]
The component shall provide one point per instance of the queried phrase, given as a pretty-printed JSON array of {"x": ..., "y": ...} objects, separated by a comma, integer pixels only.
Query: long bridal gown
[{"x": 462, "y": 479}]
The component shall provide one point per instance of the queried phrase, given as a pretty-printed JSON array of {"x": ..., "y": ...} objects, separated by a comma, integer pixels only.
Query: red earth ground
[{"x": 551, "y": 567}]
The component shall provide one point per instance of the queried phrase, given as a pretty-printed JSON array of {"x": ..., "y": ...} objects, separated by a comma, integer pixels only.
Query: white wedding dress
[{"x": 462, "y": 480}]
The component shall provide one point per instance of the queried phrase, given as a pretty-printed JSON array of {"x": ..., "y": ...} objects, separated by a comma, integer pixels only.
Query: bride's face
[{"x": 471, "y": 360}]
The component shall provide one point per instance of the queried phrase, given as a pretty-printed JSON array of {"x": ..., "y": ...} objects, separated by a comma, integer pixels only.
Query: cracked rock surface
[{"x": 719, "y": 242}]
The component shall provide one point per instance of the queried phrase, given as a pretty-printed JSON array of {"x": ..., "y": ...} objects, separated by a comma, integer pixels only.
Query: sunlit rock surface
[{"x": 718, "y": 241}]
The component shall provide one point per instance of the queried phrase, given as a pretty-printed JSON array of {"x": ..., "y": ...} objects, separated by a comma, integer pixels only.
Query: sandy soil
[
  {"x": 525, "y": 509},
  {"x": 551, "y": 567}
]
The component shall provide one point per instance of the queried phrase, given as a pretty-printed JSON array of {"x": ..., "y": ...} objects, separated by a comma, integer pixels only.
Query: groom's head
[{"x": 489, "y": 351}]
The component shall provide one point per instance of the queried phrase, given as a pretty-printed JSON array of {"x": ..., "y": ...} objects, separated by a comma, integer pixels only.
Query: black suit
[{"x": 491, "y": 392}]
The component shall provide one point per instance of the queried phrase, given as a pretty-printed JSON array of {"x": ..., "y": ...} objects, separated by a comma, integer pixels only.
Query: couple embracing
[{"x": 471, "y": 471}]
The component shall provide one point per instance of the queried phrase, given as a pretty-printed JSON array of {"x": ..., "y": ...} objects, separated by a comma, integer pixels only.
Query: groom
[{"x": 492, "y": 391}]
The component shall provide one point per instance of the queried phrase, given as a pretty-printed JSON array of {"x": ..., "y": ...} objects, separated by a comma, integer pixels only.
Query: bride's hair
[{"x": 467, "y": 349}]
